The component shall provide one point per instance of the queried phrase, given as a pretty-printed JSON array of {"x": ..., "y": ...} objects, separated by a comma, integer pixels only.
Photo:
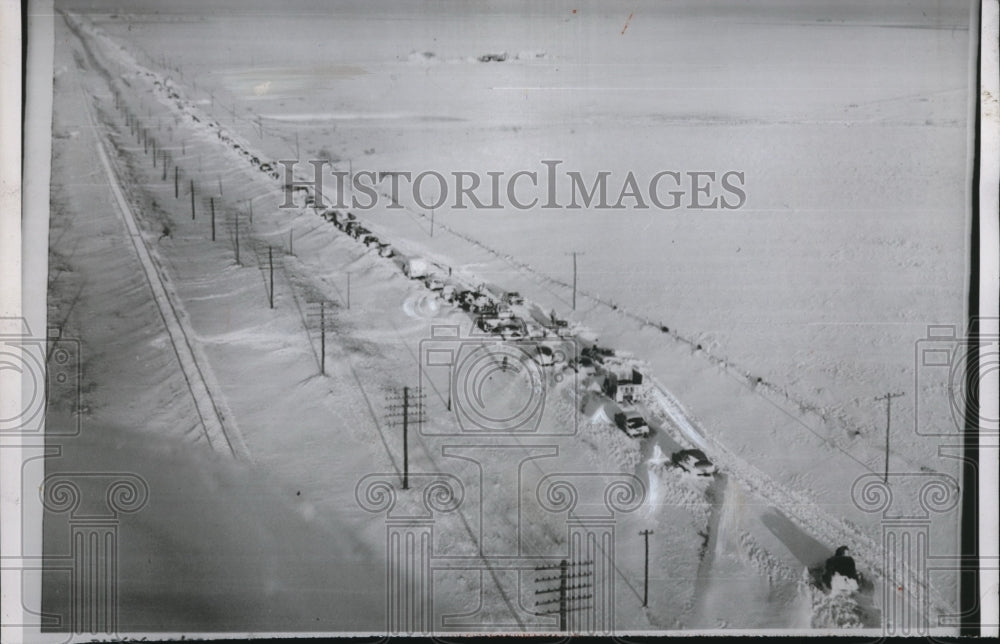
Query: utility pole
[
  {"x": 645, "y": 581},
  {"x": 211, "y": 203},
  {"x": 573, "y": 592},
  {"x": 177, "y": 178},
  {"x": 399, "y": 409},
  {"x": 322, "y": 332},
  {"x": 322, "y": 338},
  {"x": 574, "y": 254},
  {"x": 406, "y": 442},
  {"x": 888, "y": 419},
  {"x": 270, "y": 269},
  {"x": 563, "y": 565},
  {"x": 237, "y": 239},
  {"x": 192, "y": 199}
]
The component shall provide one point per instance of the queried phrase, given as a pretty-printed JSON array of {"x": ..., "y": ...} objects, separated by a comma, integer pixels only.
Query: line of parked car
[
  {"x": 489, "y": 304},
  {"x": 494, "y": 311}
]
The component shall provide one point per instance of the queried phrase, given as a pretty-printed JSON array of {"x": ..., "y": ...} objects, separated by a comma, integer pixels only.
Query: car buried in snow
[
  {"x": 632, "y": 423},
  {"x": 488, "y": 323},
  {"x": 414, "y": 267},
  {"x": 512, "y": 328},
  {"x": 596, "y": 354},
  {"x": 693, "y": 461},
  {"x": 482, "y": 304},
  {"x": 462, "y": 297}
]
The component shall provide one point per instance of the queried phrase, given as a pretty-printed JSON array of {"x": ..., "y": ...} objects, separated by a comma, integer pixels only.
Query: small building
[{"x": 623, "y": 386}]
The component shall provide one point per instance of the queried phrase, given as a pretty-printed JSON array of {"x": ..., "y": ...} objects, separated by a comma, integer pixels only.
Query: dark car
[
  {"x": 693, "y": 461},
  {"x": 632, "y": 423}
]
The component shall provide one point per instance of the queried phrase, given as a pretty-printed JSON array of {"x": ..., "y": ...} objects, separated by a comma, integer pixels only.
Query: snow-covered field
[{"x": 765, "y": 332}]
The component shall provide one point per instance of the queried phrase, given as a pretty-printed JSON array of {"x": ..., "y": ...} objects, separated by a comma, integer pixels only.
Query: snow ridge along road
[{"x": 220, "y": 425}]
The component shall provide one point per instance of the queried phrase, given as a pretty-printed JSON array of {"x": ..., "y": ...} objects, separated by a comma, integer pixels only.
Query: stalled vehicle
[
  {"x": 632, "y": 423},
  {"x": 414, "y": 267},
  {"x": 694, "y": 461}
]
